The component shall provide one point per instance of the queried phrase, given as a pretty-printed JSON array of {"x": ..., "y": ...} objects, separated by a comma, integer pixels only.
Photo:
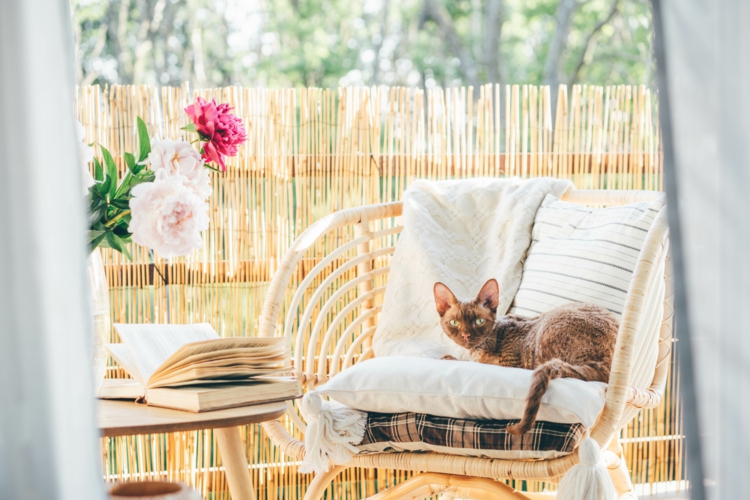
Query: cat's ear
[
  {"x": 444, "y": 298},
  {"x": 489, "y": 295}
]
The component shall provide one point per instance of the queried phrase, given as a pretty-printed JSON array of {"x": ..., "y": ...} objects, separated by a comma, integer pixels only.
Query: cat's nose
[{"x": 465, "y": 336}]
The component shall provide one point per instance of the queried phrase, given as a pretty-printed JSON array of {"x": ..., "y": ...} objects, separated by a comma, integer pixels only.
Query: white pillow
[
  {"x": 459, "y": 389},
  {"x": 581, "y": 254}
]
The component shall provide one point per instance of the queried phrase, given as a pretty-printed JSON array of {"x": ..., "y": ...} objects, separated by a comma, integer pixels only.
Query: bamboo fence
[{"x": 313, "y": 151}]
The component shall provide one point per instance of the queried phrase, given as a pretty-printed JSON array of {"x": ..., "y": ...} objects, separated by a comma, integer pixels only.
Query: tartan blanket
[{"x": 487, "y": 435}]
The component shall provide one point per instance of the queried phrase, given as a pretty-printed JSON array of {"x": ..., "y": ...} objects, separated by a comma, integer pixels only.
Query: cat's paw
[{"x": 449, "y": 357}]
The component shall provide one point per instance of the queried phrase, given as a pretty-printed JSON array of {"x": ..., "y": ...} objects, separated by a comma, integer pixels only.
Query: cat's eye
[
  {"x": 479, "y": 321},
  {"x": 454, "y": 322}
]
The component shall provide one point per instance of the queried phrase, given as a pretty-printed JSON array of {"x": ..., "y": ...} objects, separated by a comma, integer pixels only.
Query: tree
[
  {"x": 470, "y": 63},
  {"x": 151, "y": 41},
  {"x": 564, "y": 18},
  {"x": 358, "y": 42}
]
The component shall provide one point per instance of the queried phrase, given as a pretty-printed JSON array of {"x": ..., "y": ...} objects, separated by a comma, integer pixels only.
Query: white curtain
[
  {"x": 48, "y": 439},
  {"x": 707, "y": 54}
]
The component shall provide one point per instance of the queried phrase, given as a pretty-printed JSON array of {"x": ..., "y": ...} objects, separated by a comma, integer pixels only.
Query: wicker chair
[{"x": 334, "y": 331}]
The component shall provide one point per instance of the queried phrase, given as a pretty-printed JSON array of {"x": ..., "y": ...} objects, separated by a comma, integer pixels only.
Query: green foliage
[
  {"x": 190, "y": 127},
  {"x": 109, "y": 211},
  {"x": 352, "y": 42},
  {"x": 144, "y": 143}
]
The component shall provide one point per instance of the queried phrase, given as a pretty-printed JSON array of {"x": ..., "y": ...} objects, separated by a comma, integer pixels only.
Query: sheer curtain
[
  {"x": 707, "y": 68},
  {"x": 48, "y": 447}
]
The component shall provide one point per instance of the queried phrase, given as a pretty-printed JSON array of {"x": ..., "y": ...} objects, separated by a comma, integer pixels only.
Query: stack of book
[{"x": 189, "y": 367}]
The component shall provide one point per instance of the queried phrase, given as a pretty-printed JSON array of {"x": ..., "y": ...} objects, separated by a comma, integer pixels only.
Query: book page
[
  {"x": 230, "y": 380},
  {"x": 150, "y": 345},
  {"x": 120, "y": 388},
  {"x": 261, "y": 345},
  {"x": 123, "y": 357},
  {"x": 200, "y": 375},
  {"x": 256, "y": 355},
  {"x": 240, "y": 366}
]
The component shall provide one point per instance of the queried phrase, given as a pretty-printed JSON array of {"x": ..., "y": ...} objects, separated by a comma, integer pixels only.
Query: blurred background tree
[{"x": 328, "y": 43}]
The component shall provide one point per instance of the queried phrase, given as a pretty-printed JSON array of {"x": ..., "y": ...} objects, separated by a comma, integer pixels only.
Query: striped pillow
[{"x": 581, "y": 254}]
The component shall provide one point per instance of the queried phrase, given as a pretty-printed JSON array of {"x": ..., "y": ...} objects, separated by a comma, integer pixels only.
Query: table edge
[{"x": 217, "y": 423}]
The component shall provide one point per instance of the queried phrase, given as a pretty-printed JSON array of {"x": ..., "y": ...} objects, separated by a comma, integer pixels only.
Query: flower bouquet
[
  {"x": 163, "y": 207},
  {"x": 160, "y": 202}
]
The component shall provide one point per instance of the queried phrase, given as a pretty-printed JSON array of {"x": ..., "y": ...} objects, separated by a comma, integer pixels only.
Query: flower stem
[
  {"x": 119, "y": 216},
  {"x": 211, "y": 168}
]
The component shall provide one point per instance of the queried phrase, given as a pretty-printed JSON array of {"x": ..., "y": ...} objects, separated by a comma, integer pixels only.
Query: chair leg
[
  {"x": 320, "y": 483},
  {"x": 618, "y": 471}
]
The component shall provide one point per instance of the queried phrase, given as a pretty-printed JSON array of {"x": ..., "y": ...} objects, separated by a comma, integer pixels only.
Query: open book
[{"x": 192, "y": 363}]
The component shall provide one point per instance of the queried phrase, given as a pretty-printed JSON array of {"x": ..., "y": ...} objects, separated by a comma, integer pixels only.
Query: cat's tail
[{"x": 543, "y": 374}]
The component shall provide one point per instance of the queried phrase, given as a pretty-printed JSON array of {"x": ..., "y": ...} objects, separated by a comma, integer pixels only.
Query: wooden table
[{"x": 125, "y": 418}]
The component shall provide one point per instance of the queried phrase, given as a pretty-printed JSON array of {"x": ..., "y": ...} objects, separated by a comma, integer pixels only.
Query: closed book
[
  {"x": 207, "y": 397},
  {"x": 120, "y": 388}
]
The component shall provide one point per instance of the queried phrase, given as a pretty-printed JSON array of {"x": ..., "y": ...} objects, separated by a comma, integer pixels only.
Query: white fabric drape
[
  {"x": 707, "y": 53},
  {"x": 48, "y": 447}
]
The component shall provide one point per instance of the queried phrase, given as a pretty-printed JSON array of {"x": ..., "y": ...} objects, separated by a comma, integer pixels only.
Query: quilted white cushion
[
  {"x": 462, "y": 233},
  {"x": 459, "y": 389}
]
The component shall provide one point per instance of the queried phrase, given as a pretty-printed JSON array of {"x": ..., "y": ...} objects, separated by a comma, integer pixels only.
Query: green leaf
[
  {"x": 111, "y": 170},
  {"x": 124, "y": 188},
  {"x": 144, "y": 142},
  {"x": 116, "y": 243},
  {"x": 121, "y": 203},
  {"x": 143, "y": 177},
  {"x": 121, "y": 230},
  {"x": 95, "y": 238},
  {"x": 130, "y": 181},
  {"x": 96, "y": 203},
  {"x": 147, "y": 176},
  {"x": 96, "y": 191},
  {"x": 130, "y": 160},
  {"x": 109, "y": 161},
  {"x": 96, "y": 214},
  {"x": 105, "y": 186},
  {"x": 190, "y": 128},
  {"x": 126, "y": 252},
  {"x": 98, "y": 171}
]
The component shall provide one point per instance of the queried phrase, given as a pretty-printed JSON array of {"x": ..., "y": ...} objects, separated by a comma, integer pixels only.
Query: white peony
[
  {"x": 179, "y": 158},
  {"x": 168, "y": 216},
  {"x": 86, "y": 155}
]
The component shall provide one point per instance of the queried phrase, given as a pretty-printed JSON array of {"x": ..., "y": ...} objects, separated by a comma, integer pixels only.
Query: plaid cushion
[{"x": 489, "y": 435}]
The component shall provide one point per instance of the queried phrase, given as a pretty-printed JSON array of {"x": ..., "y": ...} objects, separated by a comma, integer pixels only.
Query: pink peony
[
  {"x": 169, "y": 158},
  {"x": 222, "y": 131},
  {"x": 168, "y": 216}
]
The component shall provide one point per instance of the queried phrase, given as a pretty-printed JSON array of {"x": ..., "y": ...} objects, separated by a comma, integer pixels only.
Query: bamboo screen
[{"x": 313, "y": 151}]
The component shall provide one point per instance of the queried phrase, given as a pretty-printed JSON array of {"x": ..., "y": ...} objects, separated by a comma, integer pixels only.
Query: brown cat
[{"x": 575, "y": 340}]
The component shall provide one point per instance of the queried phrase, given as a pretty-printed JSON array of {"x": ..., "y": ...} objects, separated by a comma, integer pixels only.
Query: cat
[{"x": 575, "y": 340}]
